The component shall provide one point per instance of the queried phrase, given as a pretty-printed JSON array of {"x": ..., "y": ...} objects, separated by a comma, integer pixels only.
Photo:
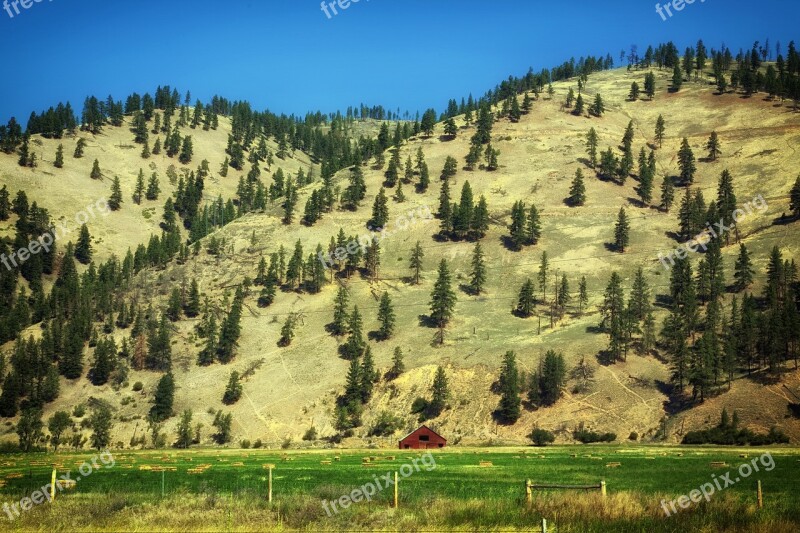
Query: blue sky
[{"x": 288, "y": 56}]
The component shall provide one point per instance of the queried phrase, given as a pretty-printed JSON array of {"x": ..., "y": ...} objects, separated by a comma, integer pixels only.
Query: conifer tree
[
  {"x": 79, "y": 147},
  {"x": 153, "y": 188},
  {"x": 380, "y": 210},
  {"x": 686, "y": 162},
  {"x": 633, "y": 94},
  {"x": 355, "y": 344},
  {"x": 478, "y": 274},
  {"x": 518, "y": 228},
  {"x": 440, "y": 393},
  {"x": 622, "y": 231},
  {"x": 424, "y": 177},
  {"x": 415, "y": 262},
  {"x": 667, "y": 193},
  {"x": 368, "y": 376},
  {"x": 231, "y": 329},
  {"x": 386, "y": 316},
  {"x": 163, "y": 398},
  {"x": 83, "y": 248},
  {"x": 591, "y": 147},
  {"x": 192, "y": 307},
  {"x": 794, "y": 196},
  {"x": 96, "y": 174},
  {"x": 598, "y": 107},
  {"x": 533, "y": 226},
  {"x": 526, "y": 301},
  {"x": 115, "y": 199},
  {"x": 713, "y": 146},
  {"x": 650, "y": 85},
  {"x": 543, "y": 274},
  {"x": 660, "y": 130},
  {"x": 577, "y": 191},
  {"x": 508, "y": 411},
  {"x": 743, "y": 270},
  {"x": 579, "y": 105},
  {"x": 443, "y": 299},
  {"x": 677, "y": 79},
  {"x": 59, "y": 162},
  {"x": 398, "y": 367},
  {"x": 233, "y": 391},
  {"x": 138, "y": 191},
  {"x": 583, "y": 295}
]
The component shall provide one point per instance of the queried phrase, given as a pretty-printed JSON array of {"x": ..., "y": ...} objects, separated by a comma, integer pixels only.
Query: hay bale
[
  {"x": 486, "y": 464},
  {"x": 613, "y": 465},
  {"x": 719, "y": 464},
  {"x": 267, "y": 466},
  {"x": 324, "y": 462}
]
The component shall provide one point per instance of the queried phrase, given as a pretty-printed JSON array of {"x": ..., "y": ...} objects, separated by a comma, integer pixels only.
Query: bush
[
  {"x": 633, "y": 436},
  {"x": 138, "y": 386},
  {"x": 542, "y": 437},
  {"x": 311, "y": 434},
  {"x": 257, "y": 443},
  {"x": 419, "y": 405},
  {"x": 385, "y": 425},
  {"x": 79, "y": 410},
  {"x": 287, "y": 442},
  {"x": 727, "y": 433},
  {"x": 244, "y": 443},
  {"x": 587, "y": 437}
]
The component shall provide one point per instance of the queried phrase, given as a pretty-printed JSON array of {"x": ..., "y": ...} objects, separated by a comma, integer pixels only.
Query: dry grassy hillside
[{"x": 297, "y": 385}]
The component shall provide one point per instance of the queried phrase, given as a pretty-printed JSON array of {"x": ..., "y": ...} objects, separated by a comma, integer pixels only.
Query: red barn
[{"x": 422, "y": 439}]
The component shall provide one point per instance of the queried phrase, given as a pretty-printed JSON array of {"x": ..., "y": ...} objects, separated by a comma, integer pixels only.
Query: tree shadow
[
  {"x": 509, "y": 244},
  {"x": 636, "y": 202},
  {"x": 426, "y": 321}
]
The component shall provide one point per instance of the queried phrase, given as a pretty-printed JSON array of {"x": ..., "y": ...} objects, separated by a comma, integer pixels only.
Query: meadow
[{"x": 469, "y": 488}]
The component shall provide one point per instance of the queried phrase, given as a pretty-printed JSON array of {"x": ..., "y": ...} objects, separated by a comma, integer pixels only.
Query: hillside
[{"x": 292, "y": 388}]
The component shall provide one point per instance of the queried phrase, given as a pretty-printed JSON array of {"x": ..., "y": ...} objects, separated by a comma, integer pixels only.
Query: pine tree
[
  {"x": 424, "y": 178},
  {"x": 667, "y": 193},
  {"x": 443, "y": 299},
  {"x": 115, "y": 199},
  {"x": 713, "y": 146},
  {"x": 440, "y": 393},
  {"x": 59, "y": 162},
  {"x": 577, "y": 191},
  {"x": 233, "y": 391},
  {"x": 386, "y": 317},
  {"x": 743, "y": 270},
  {"x": 380, "y": 210},
  {"x": 622, "y": 231},
  {"x": 450, "y": 128},
  {"x": 415, "y": 262},
  {"x": 526, "y": 301},
  {"x": 153, "y": 188},
  {"x": 79, "y": 146},
  {"x": 192, "y": 307},
  {"x": 677, "y": 79},
  {"x": 650, "y": 85},
  {"x": 794, "y": 204},
  {"x": 519, "y": 220},
  {"x": 478, "y": 275},
  {"x": 591, "y": 147},
  {"x": 686, "y": 162},
  {"x": 187, "y": 150},
  {"x": 368, "y": 376},
  {"x": 552, "y": 377},
  {"x": 583, "y": 295},
  {"x": 445, "y": 213},
  {"x": 174, "y": 305},
  {"x": 83, "y": 248},
  {"x": 542, "y": 275},
  {"x": 598, "y": 108},
  {"x": 508, "y": 411},
  {"x": 660, "y": 130},
  {"x": 614, "y": 319},
  {"x": 163, "y": 399},
  {"x": 96, "y": 174},
  {"x": 231, "y": 329},
  {"x": 398, "y": 367},
  {"x": 355, "y": 344},
  {"x": 579, "y": 105},
  {"x": 138, "y": 191},
  {"x": 633, "y": 95}
]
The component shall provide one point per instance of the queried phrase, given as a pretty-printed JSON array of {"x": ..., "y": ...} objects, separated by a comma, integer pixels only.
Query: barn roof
[{"x": 425, "y": 427}]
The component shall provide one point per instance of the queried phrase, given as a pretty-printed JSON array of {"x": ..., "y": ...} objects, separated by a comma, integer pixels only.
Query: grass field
[{"x": 226, "y": 490}]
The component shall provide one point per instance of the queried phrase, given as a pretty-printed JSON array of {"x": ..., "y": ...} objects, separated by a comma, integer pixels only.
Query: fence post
[
  {"x": 528, "y": 496},
  {"x": 396, "y": 503},
  {"x": 53, "y": 486},
  {"x": 760, "y": 496},
  {"x": 544, "y": 525},
  {"x": 603, "y": 488},
  {"x": 162, "y": 483},
  {"x": 269, "y": 488}
]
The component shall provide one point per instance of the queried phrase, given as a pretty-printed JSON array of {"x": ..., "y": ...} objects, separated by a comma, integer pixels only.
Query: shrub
[
  {"x": 386, "y": 425},
  {"x": 419, "y": 405},
  {"x": 257, "y": 443},
  {"x": 633, "y": 436},
  {"x": 244, "y": 443},
  {"x": 587, "y": 437},
  {"x": 287, "y": 442},
  {"x": 311, "y": 434},
  {"x": 138, "y": 386},
  {"x": 542, "y": 437},
  {"x": 79, "y": 410}
]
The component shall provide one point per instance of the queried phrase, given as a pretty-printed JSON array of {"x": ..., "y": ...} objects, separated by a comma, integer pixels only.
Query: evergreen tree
[
  {"x": 577, "y": 191},
  {"x": 677, "y": 79},
  {"x": 231, "y": 329},
  {"x": 101, "y": 423},
  {"x": 622, "y": 231},
  {"x": 650, "y": 85},
  {"x": 57, "y": 424},
  {"x": 443, "y": 299},
  {"x": 440, "y": 393},
  {"x": 415, "y": 263},
  {"x": 96, "y": 174},
  {"x": 633, "y": 95},
  {"x": 660, "y": 130},
  {"x": 508, "y": 411},
  {"x": 579, "y": 105},
  {"x": 398, "y": 367},
  {"x": 164, "y": 397},
  {"x": 598, "y": 108},
  {"x": 527, "y": 300},
  {"x": 478, "y": 275},
  {"x": 591, "y": 147},
  {"x": 552, "y": 378},
  {"x": 380, "y": 210},
  {"x": 667, "y": 193},
  {"x": 743, "y": 270},
  {"x": 614, "y": 319},
  {"x": 795, "y": 198},
  {"x": 519, "y": 221},
  {"x": 713, "y": 146},
  {"x": 153, "y": 188},
  {"x": 29, "y": 428},
  {"x": 386, "y": 316},
  {"x": 368, "y": 376},
  {"x": 192, "y": 307},
  {"x": 233, "y": 391},
  {"x": 583, "y": 295},
  {"x": 187, "y": 150},
  {"x": 138, "y": 191},
  {"x": 83, "y": 248},
  {"x": 79, "y": 147},
  {"x": 355, "y": 344},
  {"x": 59, "y": 162},
  {"x": 686, "y": 162},
  {"x": 542, "y": 275},
  {"x": 115, "y": 199},
  {"x": 533, "y": 226}
]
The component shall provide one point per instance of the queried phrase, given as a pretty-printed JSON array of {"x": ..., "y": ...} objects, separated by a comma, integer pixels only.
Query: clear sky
[{"x": 288, "y": 56}]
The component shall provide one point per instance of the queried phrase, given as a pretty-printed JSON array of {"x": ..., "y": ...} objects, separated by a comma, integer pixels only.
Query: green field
[{"x": 229, "y": 492}]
